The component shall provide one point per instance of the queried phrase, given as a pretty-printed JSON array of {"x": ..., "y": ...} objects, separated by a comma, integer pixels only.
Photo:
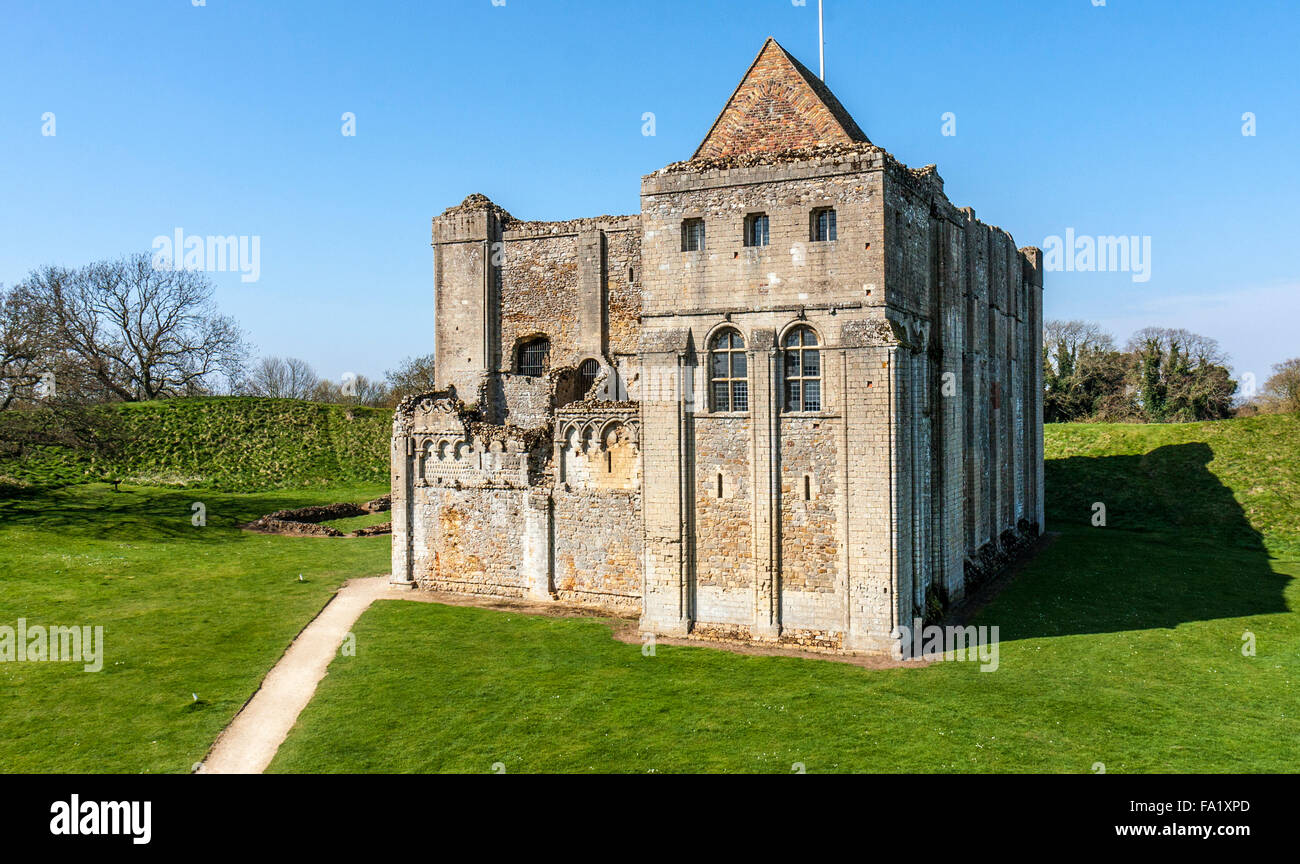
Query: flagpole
[{"x": 821, "y": 41}]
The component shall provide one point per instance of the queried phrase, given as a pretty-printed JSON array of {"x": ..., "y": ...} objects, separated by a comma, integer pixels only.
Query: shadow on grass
[
  {"x": 1176, "y": 547},
  {"x": 95, "y": 511}
]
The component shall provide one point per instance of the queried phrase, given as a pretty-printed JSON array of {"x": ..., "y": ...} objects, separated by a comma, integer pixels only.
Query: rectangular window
[
  {"x": 792, "y": 401},
  {"x": 692, "y": 235},
  {"x": 739, "y": 395},
  {"x": 721, "y": 392},
  {"x": 823, "y": 224},
  {"x": 812, "y": 396},
  {"x": 756, "y": 232},
  {"x": 532, "y": 358}
]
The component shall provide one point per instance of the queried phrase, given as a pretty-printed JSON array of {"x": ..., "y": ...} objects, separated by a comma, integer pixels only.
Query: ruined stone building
[{"x": 797, "y": 398}]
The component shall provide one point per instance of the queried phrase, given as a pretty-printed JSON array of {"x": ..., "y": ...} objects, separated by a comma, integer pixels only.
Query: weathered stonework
[{"x": 613, "y": 479}]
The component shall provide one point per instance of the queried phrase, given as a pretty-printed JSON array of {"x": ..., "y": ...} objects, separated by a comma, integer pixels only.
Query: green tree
[
  {"x": 1083, "y": 374},
  {"x": 1181, "y": 376}
]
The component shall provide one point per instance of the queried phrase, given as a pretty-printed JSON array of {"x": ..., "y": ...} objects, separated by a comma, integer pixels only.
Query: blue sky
[{"x": 226, "y": 119}]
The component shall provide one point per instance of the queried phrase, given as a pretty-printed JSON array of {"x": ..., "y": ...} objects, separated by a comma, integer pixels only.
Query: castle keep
[{"x": 796, "y": 399}]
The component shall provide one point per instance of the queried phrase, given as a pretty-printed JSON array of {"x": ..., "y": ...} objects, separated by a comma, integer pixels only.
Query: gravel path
[
  {"x": 251, "y": 740},
  {"x": 249, "y": 743}
]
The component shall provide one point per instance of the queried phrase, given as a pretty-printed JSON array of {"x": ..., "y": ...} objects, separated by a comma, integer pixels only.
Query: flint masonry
[{"x": 796, "y": 399}]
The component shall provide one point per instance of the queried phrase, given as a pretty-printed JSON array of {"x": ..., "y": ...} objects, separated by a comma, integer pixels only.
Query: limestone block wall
[
  {"x": 919, "y": 470},
  {"x": 790, "y": 272},
  {"x": 969, "y": 304},
  {"x": 597, "y": 506},
  {"x": 464, "y": 297},
  {"x": 473, "y": 541},
  {"x": 870, "y": 510},
  {"x": 486, "y": 509},
  {"x": 500, "y": 282},
  {"x": 724, "y": 520},
  {"x": 520, "y": 400},
  {"x": 598, "y": 548},
  {"x": 596, "y": 535},
  {"x": 777, "y": 551}
]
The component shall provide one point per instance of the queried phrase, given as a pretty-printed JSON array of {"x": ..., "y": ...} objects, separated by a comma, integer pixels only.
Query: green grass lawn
[
  {"x": 354, "y": 523},
  {"x": 1236, "y": 481},
  {"x": 185, "y": 610},
  {"x": 1120, "y": 645},
  {"x": 440, "y": 688}
]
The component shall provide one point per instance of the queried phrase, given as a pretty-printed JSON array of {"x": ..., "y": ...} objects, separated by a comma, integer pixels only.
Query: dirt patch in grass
[{"x": 307, "y": 521}]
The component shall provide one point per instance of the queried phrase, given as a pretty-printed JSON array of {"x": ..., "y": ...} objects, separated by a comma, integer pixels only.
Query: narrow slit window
[
  {"x": 719, "y": 485},
  {"x": 807, "y": 487}
]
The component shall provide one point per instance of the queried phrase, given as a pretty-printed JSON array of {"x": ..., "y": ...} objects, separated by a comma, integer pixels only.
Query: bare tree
[
  {"x": 1065, "y": 341},
  {"x": 412, "y": 377},
  {"x": 302, "y": 379},
  {"x": 43, "y": 397},
  {"x": 140, "y": 332},
  {"x": 1282, "y": 389},
  {"x": 287, "y": 378},
  {"x": 25, "y": 349},
  {"x": 1200, "y": 351},
  {"x": 353, "y": 390}
]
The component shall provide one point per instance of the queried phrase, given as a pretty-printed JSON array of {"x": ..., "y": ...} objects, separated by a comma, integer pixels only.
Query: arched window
[
  {"x": 587, "y": 373},
  {"x": 803, "y": 370},
  {"x": 426, "y": 457},
  {"x": 728, "y": 374},
  {"x": 533, "y": 357}
]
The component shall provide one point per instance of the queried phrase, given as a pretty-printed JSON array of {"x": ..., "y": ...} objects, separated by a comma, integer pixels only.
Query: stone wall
[
  {"x": 970, "y": 303},
  {"x": 914, "y": 479},
  {"x": 597, "y": 506},
  {"x": 921, "y": 458},
  {"x": 761, "y": 562},
  {"x": 573, "y": 282}
]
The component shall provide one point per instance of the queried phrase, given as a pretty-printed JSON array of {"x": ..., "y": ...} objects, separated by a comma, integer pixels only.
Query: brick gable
[{"x": 779, "y": 105}]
